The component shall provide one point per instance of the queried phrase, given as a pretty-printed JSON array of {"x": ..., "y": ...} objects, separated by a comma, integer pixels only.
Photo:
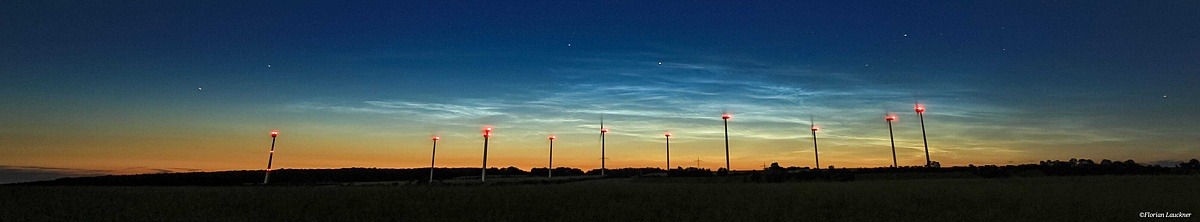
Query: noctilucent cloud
[{"x": 152, "y": 86}]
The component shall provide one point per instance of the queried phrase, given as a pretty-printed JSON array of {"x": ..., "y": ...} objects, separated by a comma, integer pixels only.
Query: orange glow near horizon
[
  {"x": 148, "y": 147},
  {"x": 312, "y": 150}
]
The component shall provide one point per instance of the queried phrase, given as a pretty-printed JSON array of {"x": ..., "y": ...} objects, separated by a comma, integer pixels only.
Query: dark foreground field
[{"x": 1106, "y": 198}]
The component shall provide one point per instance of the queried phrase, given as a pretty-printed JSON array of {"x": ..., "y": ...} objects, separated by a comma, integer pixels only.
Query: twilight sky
[{"x": 158, "y": 86}]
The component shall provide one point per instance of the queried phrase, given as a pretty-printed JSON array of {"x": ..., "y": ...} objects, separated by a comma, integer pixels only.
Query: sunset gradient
[{"x": 118, "y": 88}]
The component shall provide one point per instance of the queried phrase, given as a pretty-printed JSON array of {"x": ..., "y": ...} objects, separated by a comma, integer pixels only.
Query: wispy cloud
[{"x": 688, "y": 98}]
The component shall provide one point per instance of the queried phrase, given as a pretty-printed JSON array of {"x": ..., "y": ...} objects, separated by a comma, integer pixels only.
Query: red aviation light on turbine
[
  {"x": 815, "y": 128},
  {"x": 919, "y": 108},
  {"x": 726, "y": 116},
  {"x": 552, "y": 137},
  {"x": 436, "y": 138},
  {"x": 274, "y": 133},
  {"x": 604, "y": 130},
  {"x": 667, "y": 134},
  {"x": 487, "y": 132},
  {"x": 891, "y": 117}
]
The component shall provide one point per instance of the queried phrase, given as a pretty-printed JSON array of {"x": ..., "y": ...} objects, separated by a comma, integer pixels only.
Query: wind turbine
[
  {"x": 487, "y": 133},
  {"x": 814, "y": 128},
  {"x": 550, "y": 167},
  {"x": 725, "y": 116},
  {"x": 270, "y": 157},
  {"x": 921, "y": 113},
  {"x": 433, "y": 157},
  {"x": 891, "y": 117},
  {"x": 668, "y": 136},
  {"x": 603, "y": 131}
]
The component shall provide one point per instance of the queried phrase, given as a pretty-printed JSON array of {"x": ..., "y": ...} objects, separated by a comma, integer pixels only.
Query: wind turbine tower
[
  {"x": 433, "y": 157},
  {"x": 270, "y": 157},
  {"x": 668, "y": 136},
  {"x": 921, "y": 113},
  {"x": 892, "y": 118},
  {"x": 487, "y": 133},
  {"x": 725, "y": 117},
  {"x": 550, "y": 165},
  {"x": 814, "y": 128},
  {"x": 603, "y": 131}
]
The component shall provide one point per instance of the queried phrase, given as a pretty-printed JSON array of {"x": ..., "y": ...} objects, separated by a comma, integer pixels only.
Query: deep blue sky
[{"x": 1005, "y": 81}]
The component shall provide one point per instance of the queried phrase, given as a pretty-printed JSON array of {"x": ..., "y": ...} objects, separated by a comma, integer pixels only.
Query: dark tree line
[
  {"x": 1072, "y": 167},
  {"x": 1107, "y": 167},
  {"x": 776, "y": 173}
]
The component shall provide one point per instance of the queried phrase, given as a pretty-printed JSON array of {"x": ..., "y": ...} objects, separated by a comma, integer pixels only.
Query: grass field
[{"x": 1104, "y": 198}]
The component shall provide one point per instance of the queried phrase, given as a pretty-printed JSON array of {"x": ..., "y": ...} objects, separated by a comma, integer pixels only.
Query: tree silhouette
[
  {"x": 1193, "y": 164},
  {"x": 774, "y": 174}
]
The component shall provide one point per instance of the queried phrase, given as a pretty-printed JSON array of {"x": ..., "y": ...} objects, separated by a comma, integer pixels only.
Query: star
[
  {"x": 1164, "y": 96},
  {"x": 660, "y": 63},
  {"x": 268, "y": 66},
  {"x": 568, "y": 44},
  {"x": 905, "y": 35},
  {"x": 200, "y": 88}
]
